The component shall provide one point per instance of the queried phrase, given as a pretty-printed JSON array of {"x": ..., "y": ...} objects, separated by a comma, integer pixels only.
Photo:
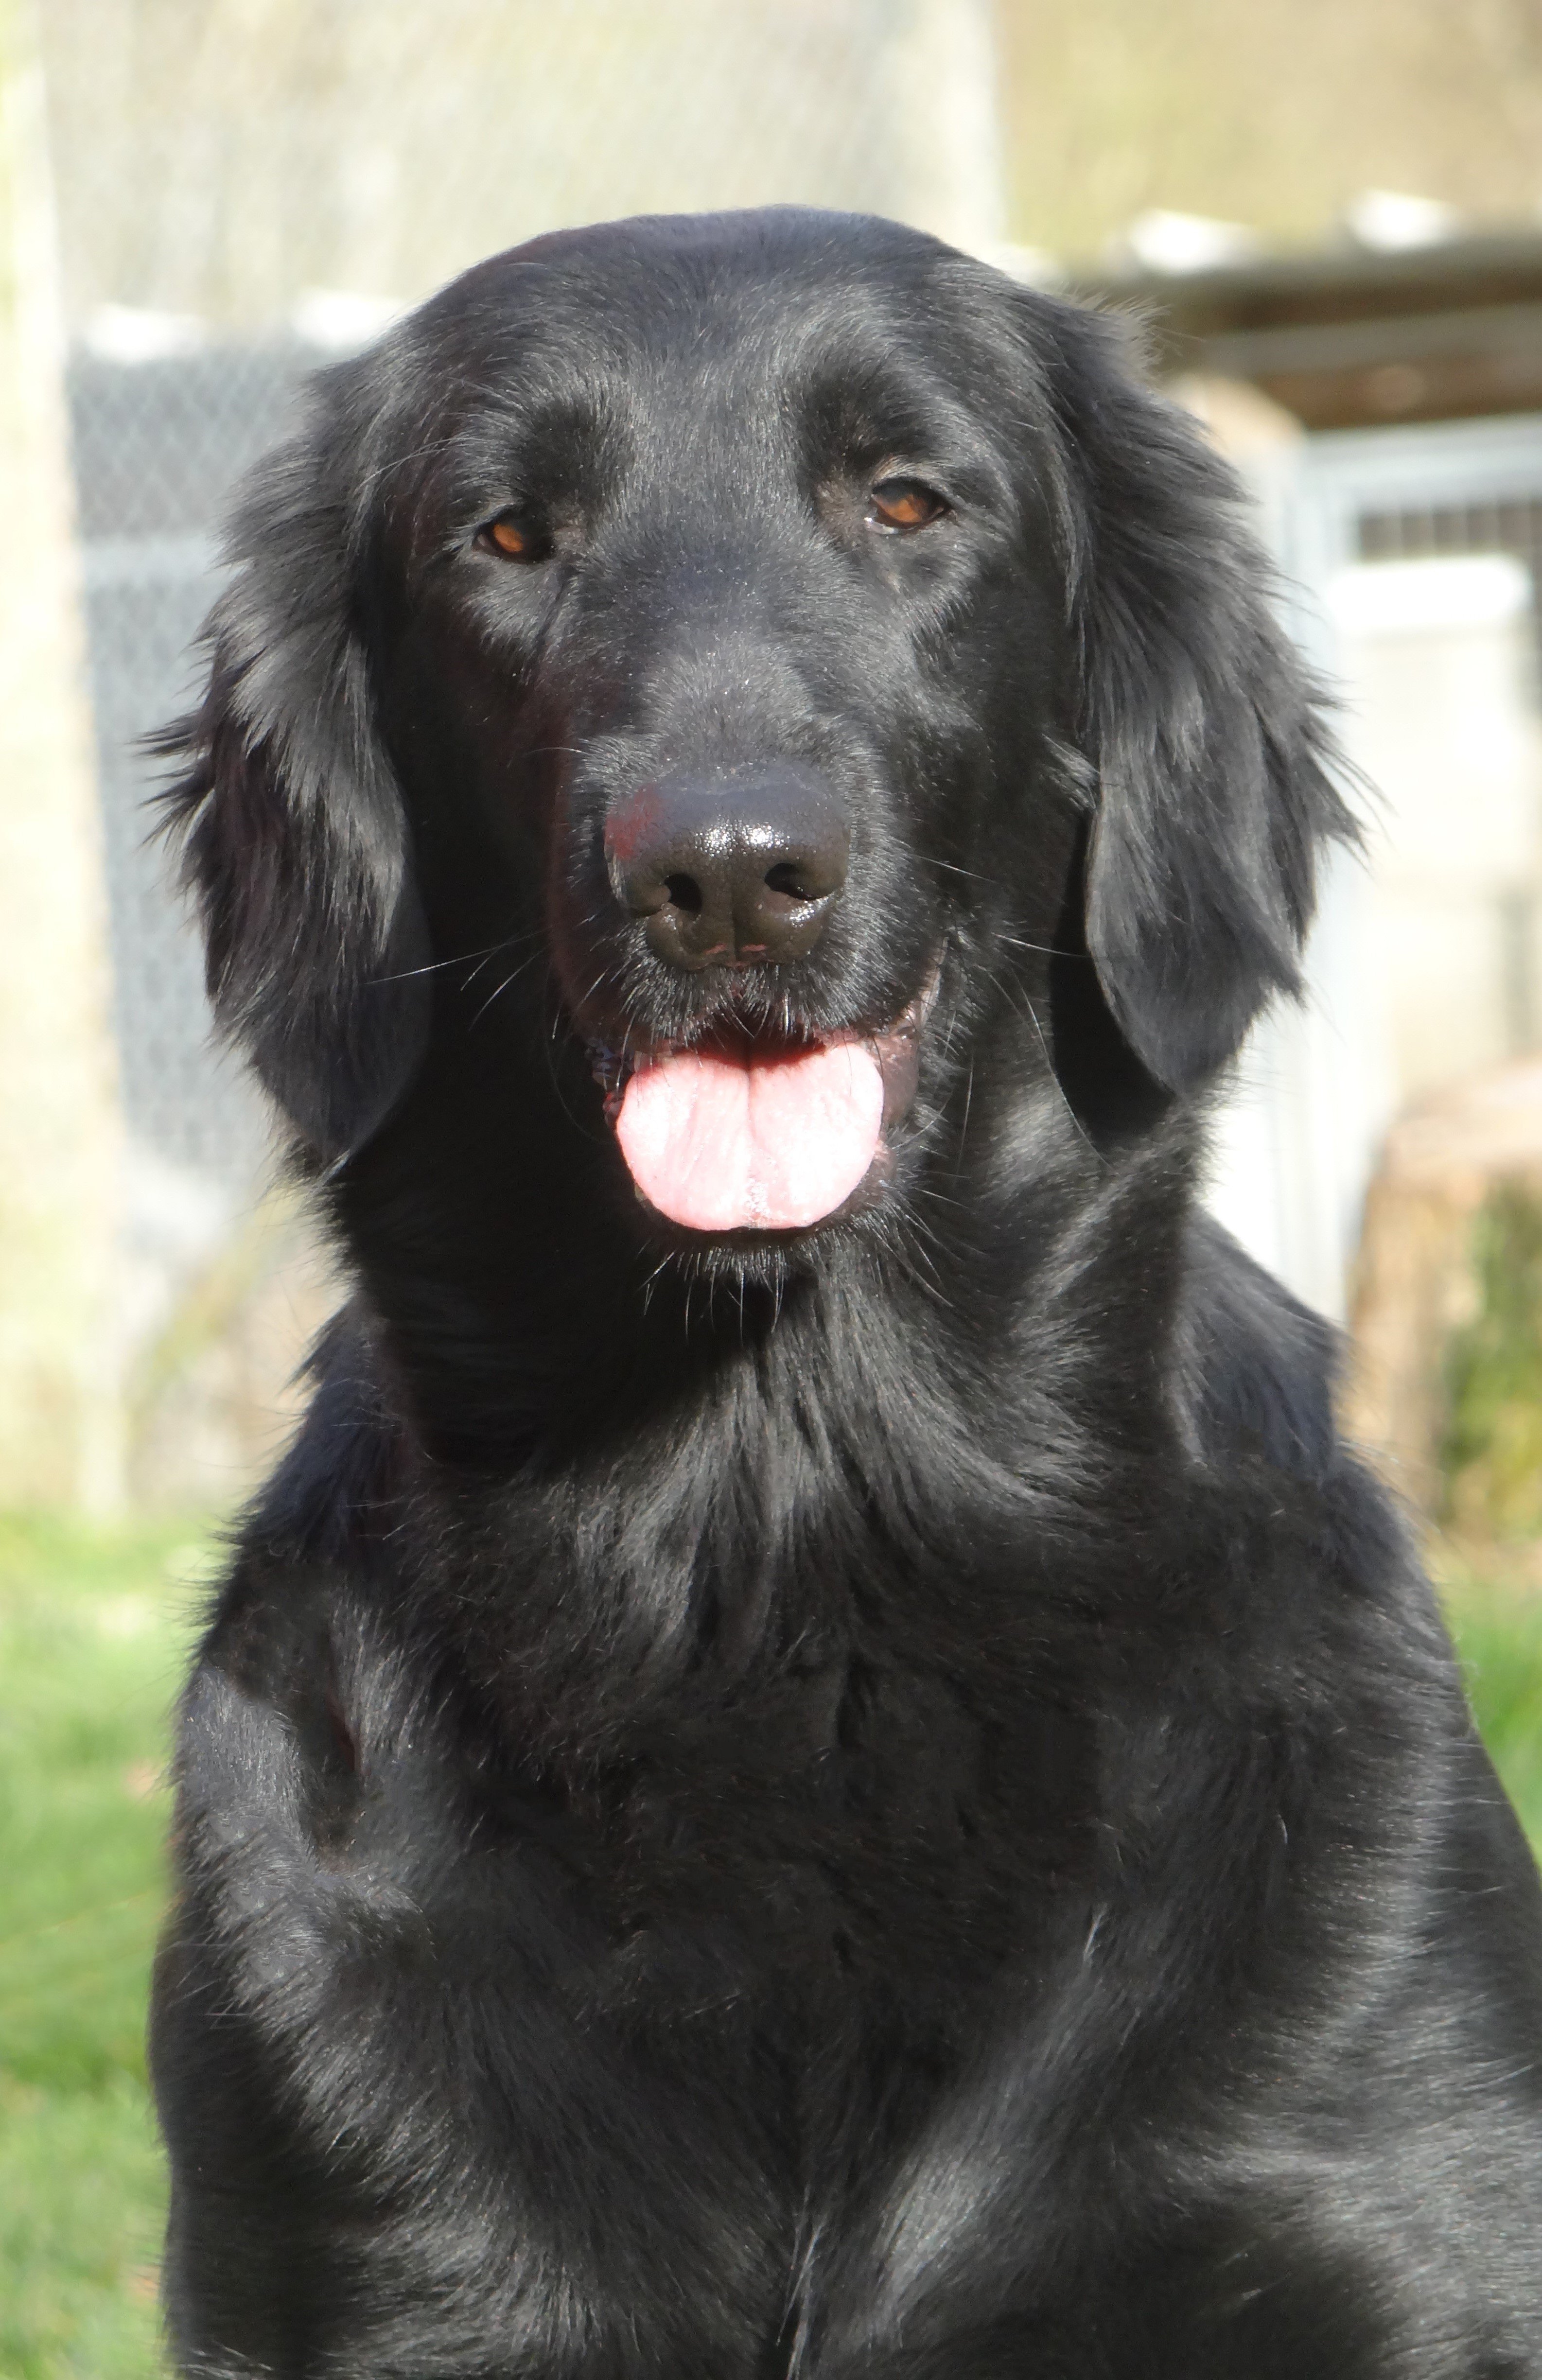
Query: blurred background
[{"x": 1330, "y": 214}]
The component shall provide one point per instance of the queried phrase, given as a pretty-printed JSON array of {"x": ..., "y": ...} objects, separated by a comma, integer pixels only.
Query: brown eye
[
  {"x": 510, "y": 536},
  {"x": 903, "y": 504}
]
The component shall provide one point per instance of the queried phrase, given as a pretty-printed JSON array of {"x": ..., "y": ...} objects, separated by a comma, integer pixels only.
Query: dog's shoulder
[
  {"x": 304, "y": 1559},
  {"x": 1257, "y": 1370}
]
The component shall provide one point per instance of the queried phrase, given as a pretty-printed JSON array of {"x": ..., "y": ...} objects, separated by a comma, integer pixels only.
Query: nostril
[
  {"x": 743, "y": 865},
  {"x": 684, "y": 894}
]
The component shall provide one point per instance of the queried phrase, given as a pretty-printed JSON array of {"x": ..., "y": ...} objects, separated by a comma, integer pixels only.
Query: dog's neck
[
  {"x": 620, "y": 1473},
  {"x": 1050, "y": 1267}
]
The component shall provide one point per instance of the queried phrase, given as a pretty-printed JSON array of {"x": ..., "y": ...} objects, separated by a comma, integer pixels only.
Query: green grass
[
  {"x": 95, "y": 1630},
  {"x": 1495, "y": 1611},
  {"x": 1491, "y": 1457}
]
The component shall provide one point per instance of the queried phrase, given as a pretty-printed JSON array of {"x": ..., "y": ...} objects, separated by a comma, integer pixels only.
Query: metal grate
[
  {"x": 1414, "y": 533},
  {"x": 157, "y": 448},
  {"x": 1425, "y": 532},
  {"x": 1489, "y": 525}
]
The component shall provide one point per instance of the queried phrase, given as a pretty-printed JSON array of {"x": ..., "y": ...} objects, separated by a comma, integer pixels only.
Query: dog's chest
[{"x": 856, "y": 1819}]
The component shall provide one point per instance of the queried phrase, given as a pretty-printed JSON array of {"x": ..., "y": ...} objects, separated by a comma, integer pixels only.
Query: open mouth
[{"x": 750, "y": 1132}]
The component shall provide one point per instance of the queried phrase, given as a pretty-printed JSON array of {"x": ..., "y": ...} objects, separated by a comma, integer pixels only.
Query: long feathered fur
[{"x": 885, "y": 1801}]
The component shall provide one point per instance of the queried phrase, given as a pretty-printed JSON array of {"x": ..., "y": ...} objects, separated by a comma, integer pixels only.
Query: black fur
[{"x": 881, "y": 1801}]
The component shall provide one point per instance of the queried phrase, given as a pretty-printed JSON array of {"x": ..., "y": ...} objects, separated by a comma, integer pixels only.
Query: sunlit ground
[{"x": 95, "y": 1630}]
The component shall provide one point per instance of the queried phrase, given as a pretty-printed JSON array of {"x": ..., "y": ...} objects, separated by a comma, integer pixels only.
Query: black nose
[{"x": 728, "y": 869}]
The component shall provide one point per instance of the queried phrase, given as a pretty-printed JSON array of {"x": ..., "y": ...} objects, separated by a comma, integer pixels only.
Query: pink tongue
[{"x": 724, "y": 1144}]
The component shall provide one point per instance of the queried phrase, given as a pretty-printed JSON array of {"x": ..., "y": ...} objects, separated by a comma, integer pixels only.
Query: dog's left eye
[
  {"x": 904, "y": 504},
  {"x": 516, "y": 537}
]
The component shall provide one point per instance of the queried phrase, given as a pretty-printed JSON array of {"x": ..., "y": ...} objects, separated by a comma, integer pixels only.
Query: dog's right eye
[
  {"x": 516, "y": 537},
  {"x": 901, "y": 507}
]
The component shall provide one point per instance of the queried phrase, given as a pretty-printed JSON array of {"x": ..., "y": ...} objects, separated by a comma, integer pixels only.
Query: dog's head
[{"x": 733, "y": 644}]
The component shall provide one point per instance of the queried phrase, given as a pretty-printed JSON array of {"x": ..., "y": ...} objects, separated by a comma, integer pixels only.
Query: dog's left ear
[
  {"x": 292, "y": 835},
  {"x": 1201, "y": 723}
]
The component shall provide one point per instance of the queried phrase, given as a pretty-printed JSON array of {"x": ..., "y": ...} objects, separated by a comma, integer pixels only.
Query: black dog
[{"x": 816, "y": 1763}]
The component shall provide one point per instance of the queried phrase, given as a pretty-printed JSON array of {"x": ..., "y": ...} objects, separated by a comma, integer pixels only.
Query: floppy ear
[
  {"x": 294, "y": 839},
  {"x": 1202, "y": 723}
]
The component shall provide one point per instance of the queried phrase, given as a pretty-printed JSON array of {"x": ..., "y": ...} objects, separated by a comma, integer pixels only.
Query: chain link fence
[{"x": 156, "y": 445}]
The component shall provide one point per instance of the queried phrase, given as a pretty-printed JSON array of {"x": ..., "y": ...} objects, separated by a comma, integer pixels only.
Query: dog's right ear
[{"x": 294, "y": 839}]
